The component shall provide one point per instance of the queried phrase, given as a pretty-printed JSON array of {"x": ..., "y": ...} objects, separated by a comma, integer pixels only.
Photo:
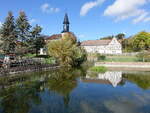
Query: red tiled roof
[
  {"x": 95, "y": 42},
  {"x": 55, "y": 36}
]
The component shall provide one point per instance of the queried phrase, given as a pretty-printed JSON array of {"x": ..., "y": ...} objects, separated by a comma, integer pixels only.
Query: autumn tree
[
  {"x": 141, "y": 41},
  {"x": 66, "y": 52}
]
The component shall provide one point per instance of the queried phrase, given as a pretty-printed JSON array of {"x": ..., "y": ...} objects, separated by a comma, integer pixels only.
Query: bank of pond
[{"x": 75, "y": 91}]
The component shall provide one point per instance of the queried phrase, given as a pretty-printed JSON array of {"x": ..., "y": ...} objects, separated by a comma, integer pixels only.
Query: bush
[
  {"x": 49, "y": 60},
  {"x": 144, "y": 57},
  {"x": 67, "y": 53},
  {"x": 99, "y": 69},
  {"x": 100, "y": 56}
]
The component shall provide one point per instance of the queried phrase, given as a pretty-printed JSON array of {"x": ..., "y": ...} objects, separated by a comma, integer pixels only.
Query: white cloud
[
  {"x": 142, "y": 18},
  {"x": 89, "y": 5},
  {"x": 46, "y": 8},
  {"x": 81, "y": 36},
  {"x": 147, "y": 19},
  {"x": 32, "y": 21},
  {"x": 123, "y": 9}
]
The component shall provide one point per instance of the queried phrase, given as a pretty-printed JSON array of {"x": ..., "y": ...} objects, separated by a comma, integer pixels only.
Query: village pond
[{"x": 76, "y": 91}]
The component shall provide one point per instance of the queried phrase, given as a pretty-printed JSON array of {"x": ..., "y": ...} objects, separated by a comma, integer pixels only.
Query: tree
[
  {"x": 36, "y": 31},
  {"x": 66, "y": 52},
  {"x": 23, "y": 27},
  {"x": 8, "y": 34},
  {"x": 141, "y": 41},
  {"x": 36, "y": 41},
  {"x": 107, "y": 37},
  {"x": 144, "y": 56},
  {"x": 120, "y": 36}
]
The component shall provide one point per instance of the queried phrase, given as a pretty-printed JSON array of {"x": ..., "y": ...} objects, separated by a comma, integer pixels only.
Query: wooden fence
[{"x": 25, "y": 66}]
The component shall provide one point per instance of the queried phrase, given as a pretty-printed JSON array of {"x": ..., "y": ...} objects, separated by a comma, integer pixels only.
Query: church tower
[{"x": 66, "y": 24}]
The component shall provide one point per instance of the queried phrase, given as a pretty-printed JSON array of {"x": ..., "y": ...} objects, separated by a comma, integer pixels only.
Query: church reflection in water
[{"x": 110, "y": 77}]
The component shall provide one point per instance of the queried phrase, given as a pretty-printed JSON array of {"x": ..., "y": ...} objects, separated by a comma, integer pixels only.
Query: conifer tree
[
  {"x": 23, "y": 27},
  {"x": 37, "y": 40},
  {"x": 8, "y": 34}
]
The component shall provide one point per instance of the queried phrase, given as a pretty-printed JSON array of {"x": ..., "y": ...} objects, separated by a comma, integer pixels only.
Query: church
[
  {"x": 111, "y": 46},
  {"x": 66, "y": 31}
]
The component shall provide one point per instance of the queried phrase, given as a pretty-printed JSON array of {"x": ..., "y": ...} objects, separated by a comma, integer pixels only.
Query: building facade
[{"x": 112, "y": 46}]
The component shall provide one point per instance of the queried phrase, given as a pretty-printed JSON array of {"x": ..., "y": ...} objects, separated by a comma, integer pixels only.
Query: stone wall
[{"x": 124, "y": 64}]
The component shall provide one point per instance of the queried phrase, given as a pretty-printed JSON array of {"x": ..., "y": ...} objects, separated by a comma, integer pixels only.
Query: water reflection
[
  {"x": 74, "y": 91},
  {"x": 141, "y": 79},
  {"x": 109, "y": 77},
  {"x": 115, "y": 78},
  {"x": 19, "y": 93},
  {"x": 18, "y": 99}
]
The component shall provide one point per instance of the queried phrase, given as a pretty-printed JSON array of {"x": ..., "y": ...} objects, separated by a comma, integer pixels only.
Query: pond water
[{"x": 76, "y": 91}]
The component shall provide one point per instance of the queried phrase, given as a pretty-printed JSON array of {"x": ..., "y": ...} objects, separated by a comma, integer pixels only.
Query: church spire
[{"x": 66, "y": 24}]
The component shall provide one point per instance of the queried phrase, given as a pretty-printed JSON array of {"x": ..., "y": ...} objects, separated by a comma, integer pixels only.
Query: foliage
[
  {"x": 107, "y": 37},
  {"x": 100, "y": 56},
  {"x": 66, "y": 52},
  {"x": 37, "y": 41},
  {"x": 141, "y": 41},
  {"x": 29, "y": 55},
  {"x": 143, "y": 81},
  {"x": 137, "y": 43},
  {"x": 49, "y": 60},
  {"x": 121, "y": 59},
  {"x": 8, "y": 34},
  {"x": 69, "y": 37},
  {"x": 127, "y": 45},
  {"x": 23, "y": 27},
  {"x": 17, "y": 37},
  {"x": 144, "y": 56},
  {"x": 99, "y": 69},
  {"x": 120, "y": 36}
]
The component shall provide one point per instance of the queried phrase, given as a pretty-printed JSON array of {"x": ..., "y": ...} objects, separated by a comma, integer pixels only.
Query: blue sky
[{"x": 90, "y": 19}]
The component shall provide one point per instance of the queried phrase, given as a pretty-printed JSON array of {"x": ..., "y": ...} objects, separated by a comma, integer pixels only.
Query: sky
[{"x": 89, "y": 19}]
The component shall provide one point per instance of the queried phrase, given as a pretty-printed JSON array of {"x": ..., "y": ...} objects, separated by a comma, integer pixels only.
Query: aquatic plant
[{"x": 99, "y": 69}]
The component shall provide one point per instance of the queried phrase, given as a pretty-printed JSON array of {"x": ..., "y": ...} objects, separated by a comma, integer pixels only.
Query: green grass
[
  {"x": 45, "y": 58},
  {"x": 29, "y": 55},
  {"x": 48, "y": 61},
  {"x": 99, "y": 69},
  {"x": 121, "y": 59}
]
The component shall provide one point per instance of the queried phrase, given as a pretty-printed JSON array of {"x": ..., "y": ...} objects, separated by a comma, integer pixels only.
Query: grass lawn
[{"x": 121, "y": 59}]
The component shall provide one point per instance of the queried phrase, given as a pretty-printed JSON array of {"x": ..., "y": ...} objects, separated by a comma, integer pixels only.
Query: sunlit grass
[{"x": 99, "y": 69}]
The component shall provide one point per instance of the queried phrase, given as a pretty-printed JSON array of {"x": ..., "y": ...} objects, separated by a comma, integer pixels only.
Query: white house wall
[{"x": 114, "y": 47}]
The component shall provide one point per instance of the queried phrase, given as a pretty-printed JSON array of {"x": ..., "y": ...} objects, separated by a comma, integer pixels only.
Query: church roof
[
  {"x": 95, "y": 42},
  {"x": 54, "y": 37},
  {"x": 66, "y": 19}
]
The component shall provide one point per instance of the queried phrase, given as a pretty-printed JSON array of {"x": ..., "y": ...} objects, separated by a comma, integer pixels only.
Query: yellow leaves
[{"x": 69, "y": 37}]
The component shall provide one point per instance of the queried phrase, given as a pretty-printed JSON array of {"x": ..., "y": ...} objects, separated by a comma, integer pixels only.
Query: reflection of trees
[
  {"x": 19, "y": 93},
  {"x": 63, "y": 82},
  {"x": 143, "y": 81},
  {"x": 18, "y": 99}
]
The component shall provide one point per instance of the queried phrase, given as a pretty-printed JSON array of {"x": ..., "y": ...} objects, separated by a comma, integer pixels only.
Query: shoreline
[
  {"x": 131, "y": 66},
  {"x": 27, "y": 69}
]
